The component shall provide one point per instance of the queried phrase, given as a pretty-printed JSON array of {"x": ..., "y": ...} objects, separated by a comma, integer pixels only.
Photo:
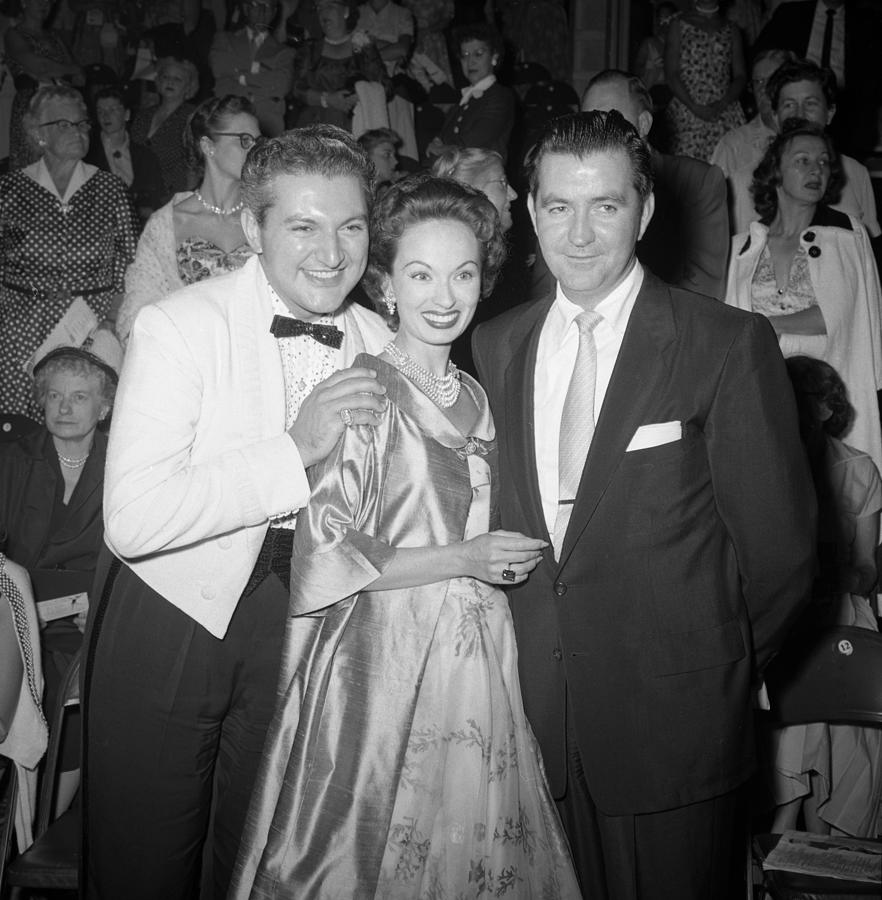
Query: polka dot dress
[
  {"x": 167, "y": 142},
  {"x": 50, "y": 254}
]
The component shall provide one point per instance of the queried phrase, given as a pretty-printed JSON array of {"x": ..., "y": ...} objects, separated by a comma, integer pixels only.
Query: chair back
[{"x": 830, "y": 675}]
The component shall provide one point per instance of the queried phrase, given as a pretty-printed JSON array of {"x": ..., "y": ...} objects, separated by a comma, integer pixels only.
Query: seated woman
[
  {"x": 162, "y": 127},
  {"x": 480, "y": 169},
  {"x": 114, "y": 151},
  {"x": 832, "y": 772},
  {"x": 51, "y": 485},
  {"x": 330, "y": 67},
  {"x": 67, "y": 230},
  {"x": 485, "y": 114},
  {"x": 197, "y": 234},
  {"x": 810, "y": 270},
  {"x": 400, "y": 763}
]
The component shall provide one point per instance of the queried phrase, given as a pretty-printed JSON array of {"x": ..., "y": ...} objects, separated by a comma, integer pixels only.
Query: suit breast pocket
[{"x": 663, "y": 487}]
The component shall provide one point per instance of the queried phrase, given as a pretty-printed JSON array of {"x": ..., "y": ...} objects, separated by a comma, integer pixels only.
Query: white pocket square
[{"x": 655, "y": 435}]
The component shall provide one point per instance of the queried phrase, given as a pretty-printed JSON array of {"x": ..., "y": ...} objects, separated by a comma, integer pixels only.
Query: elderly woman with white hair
[
  {"x": 67, "y": 231},
  {"x": 162, "y": 127}
]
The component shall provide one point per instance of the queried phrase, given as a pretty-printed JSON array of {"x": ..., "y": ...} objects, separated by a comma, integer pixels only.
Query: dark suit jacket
[
  {"x": 232, "y": 56},
  {"x": 687, "y": 240},
  {"x": 790, "y": 28},
  {"x": 684, "y": 563},
  {"x": 148, "y": 187},
  {"x": 484, "y": 121}
]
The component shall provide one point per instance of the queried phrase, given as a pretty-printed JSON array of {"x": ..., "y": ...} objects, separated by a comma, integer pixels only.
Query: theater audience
[
  {"x": 252, "y": 63},
  {"x": 67, "y": 230},
  {"x": 51, "y": 484},
  {"x": 485, "y": 114},
  {"x": 37, "y": 57},
  {"x": 852, "y": 54},
  {"x": 810, "y": 270},
  {"x": 330, "y": 67},
  {"x": 197, "y": 234},
  {"x": 704, "y": 68},
  {"x": 802, "y": 89},
  {"x": 831, "y": 773},
  {"x": 162, "y": 127},
  {"x": 744, "y": 146},
  {"x": 113, "y": 150}
]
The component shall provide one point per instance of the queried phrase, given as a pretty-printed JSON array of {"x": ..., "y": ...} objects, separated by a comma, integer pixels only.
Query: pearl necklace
[
  {"x": 442, "y": 390},
  {"x": 707, "y": 11},
  {"x": 70, "y": 462},
  {"x": 218, "y": 210}
]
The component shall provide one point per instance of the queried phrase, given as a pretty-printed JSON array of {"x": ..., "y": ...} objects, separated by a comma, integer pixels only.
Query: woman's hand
[{"x": 487, "y": 556}]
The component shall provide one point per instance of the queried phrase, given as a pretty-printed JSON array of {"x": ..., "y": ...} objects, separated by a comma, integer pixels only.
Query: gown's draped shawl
[{"x": 324, "y": 801}]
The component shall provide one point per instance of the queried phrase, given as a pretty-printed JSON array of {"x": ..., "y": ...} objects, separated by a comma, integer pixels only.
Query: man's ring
[
  {"x": 346, "y": 416},
  {"x": 508, "y": 575}
]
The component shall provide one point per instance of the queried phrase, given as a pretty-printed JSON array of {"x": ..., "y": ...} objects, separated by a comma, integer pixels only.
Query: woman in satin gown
[{"x": 400, "y": 763}]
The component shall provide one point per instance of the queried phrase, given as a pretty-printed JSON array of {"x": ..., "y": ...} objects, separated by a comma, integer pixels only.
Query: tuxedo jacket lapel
[
  {"x": 519, "y": 385},
  {"x": 636, "y": 381}
]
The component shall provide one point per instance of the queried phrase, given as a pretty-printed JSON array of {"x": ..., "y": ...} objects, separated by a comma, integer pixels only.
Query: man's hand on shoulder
[{"x": 319, "y": 423}]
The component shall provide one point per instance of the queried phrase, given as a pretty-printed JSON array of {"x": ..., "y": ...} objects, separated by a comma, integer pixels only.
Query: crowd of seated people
[{"x": 112, "y": 199}]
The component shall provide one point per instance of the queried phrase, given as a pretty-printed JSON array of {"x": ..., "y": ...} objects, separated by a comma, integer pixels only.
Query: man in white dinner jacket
[{"x": 231, "y": 388}]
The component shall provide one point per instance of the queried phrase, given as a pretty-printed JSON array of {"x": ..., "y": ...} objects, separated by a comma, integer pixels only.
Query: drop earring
[{"x": 389, "y": 300}]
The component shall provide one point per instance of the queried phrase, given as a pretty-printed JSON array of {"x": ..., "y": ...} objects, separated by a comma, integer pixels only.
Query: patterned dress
[
  {"x": 199, "y": 259},
  {"x": 50, "y": 253},
  {"x": 705, "y": 70},
  {"x": 400, "y": 763},
  {"x": 167, "y": 142}
]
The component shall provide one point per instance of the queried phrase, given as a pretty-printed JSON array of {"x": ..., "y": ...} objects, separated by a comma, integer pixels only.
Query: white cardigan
[
  {"x": 846, "y": 284},
  {"x": 199, "y": 458}
]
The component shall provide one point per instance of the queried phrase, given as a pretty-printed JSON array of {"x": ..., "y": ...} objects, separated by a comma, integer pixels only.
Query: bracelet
[{"x": 323, "y": 99}]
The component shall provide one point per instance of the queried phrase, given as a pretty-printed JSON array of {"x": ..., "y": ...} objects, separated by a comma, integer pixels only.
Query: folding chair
[{"x": 832, "y": 676}]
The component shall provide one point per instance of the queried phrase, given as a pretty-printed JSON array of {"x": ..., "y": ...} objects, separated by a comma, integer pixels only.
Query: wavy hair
[
  {"x": 767, "y": 175},
  {"x": 209, "y": 117},
  {"x": 425, "y": 198}
]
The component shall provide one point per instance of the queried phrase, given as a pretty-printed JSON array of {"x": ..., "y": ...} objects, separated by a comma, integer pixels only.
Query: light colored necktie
[{"x": 576, "y": 424}]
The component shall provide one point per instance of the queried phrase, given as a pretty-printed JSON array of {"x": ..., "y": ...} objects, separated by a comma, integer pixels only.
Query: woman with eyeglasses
[
  {"x": 197, "y": 233},
  {"x": 67, "y": 232}
]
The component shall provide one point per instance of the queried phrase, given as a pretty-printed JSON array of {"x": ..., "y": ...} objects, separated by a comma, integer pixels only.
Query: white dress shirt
[{"x": 555, "y": 360}]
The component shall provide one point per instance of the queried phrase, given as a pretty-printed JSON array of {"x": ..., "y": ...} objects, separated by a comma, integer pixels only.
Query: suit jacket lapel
[
  {"x": 521, "y": 445},
  {"x": 637, "y": 379}
]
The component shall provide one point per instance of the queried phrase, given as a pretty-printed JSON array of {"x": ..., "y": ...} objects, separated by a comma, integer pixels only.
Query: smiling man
[
  {"x": 231, "y": 389},
  {"x": 651, "y": 437}
]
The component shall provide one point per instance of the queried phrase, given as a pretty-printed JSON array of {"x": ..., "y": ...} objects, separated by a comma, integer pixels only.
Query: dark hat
[{"x": 101, "y": 348}]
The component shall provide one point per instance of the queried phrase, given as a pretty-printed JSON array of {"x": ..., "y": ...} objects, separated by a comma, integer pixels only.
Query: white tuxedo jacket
[{"x": 199, "y": 458}]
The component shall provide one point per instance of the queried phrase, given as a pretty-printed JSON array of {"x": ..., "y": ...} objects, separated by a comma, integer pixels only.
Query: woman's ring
[
  {"x": 508, "y": 575},
  {"x": 346, "y": 416}
]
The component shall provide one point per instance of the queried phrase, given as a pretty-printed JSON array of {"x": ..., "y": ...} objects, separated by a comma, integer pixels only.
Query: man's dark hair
[{"x": 581, "y": 134}]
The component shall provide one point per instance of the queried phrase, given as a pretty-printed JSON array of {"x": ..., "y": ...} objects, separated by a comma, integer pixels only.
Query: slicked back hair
[
  {"x": 581, "y": 134},
  {"x": 314, "y": 150}
]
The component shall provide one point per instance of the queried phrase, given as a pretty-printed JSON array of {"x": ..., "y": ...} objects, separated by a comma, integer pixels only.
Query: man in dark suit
[
  {"x": 844, "y": 36},
  {"x": 682, "y": 552},
  {"x": 252, "y": 63}
]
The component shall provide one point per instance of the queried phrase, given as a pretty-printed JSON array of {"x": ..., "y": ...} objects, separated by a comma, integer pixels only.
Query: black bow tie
[{"x": 285, "y": 326}]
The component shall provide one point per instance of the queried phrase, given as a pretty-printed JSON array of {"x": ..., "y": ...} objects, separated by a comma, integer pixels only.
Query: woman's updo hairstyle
[
  {"x": 208, "y": 118},
  {"x": 425, "y": 198}
]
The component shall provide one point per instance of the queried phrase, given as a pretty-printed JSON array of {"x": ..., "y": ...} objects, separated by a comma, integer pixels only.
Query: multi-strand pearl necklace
[
  {"x": 442, "y": 390},
  {"x": 70, "y": 462},
  {"x": 219, "y": 210}
]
